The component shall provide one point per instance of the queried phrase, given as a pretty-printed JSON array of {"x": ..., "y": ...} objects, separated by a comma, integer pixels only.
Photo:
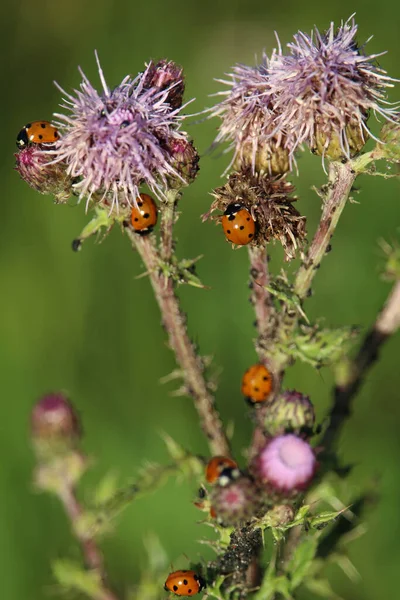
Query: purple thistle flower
[
  {"x": 247, "y": 114},
  {"x": 119, "y": 139},
  {"x": 324, "y": 91},
  {"x": 286, "y": 464}
]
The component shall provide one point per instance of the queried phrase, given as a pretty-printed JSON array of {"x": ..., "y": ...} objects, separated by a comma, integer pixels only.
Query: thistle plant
[{"x": 123, "y": 154}]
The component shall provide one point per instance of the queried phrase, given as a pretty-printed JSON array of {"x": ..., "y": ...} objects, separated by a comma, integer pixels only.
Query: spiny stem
[
  {"x": 386, "y": 324},
  {"x": 167, "y": 224},
  {"x": 341, "y": 179},
  {"x": 92, "y": 554},
  {"x": 175, "y": 325},
  {"x": 259, "y": 279}
]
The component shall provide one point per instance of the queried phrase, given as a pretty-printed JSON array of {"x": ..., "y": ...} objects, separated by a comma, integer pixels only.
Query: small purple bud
[
  {"x": 34, "y": 167},
  {"x": 286, "y": 465},
  {"x": 185, "y": 162},
  {"x": 166, "y": 76},
  {"x": 53, "y": 417}
]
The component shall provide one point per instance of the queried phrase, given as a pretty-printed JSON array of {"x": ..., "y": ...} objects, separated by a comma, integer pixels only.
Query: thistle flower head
[
  {"x": 324, "y": 90},
  {"x": 286, "y": 464},
  {"x": 247, "y": 114},
  {"x": 118, "y": 139}
]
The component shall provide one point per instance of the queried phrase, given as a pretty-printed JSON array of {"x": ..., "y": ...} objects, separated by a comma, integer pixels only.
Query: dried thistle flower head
[
  {"x": 325, "y": 89},
  {"x": 121, "y": 138},
  {"x": 270, "y": 203},
  {"x": 247, "y": 114}
]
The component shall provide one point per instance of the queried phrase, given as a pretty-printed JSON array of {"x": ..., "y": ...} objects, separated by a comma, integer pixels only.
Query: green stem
[{"x": 341, "y": 180}]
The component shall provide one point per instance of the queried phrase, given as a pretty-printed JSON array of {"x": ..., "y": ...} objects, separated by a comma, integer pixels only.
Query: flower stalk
[
  {"x": 175, "y": 324},
  {"x": 340, "y": 182}
]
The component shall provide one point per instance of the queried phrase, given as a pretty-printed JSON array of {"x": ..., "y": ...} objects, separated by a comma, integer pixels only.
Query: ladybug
[
  {"x": 184, "y": 583},
  {"x": 37, "y": 132},
  {"x": 257, "y": 384},
  {"x": 238, "y": 224},
  {"x": 221, "y": 470},
  {"x": 144, "y": 215}
]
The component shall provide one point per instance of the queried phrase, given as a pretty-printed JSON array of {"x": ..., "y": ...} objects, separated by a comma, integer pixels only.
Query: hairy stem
[
  {"x": 167, "y": 224},
  {"x": 386, "y": 324},
  {"x": 191, "y": 364},
  {"x": 341, "y": 179},
  {"x": 92, "y": 554},
  {"x": 260, "y": 298}
]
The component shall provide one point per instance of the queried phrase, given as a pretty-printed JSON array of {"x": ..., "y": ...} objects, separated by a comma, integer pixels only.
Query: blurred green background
[{"x": 84, "y": 323}]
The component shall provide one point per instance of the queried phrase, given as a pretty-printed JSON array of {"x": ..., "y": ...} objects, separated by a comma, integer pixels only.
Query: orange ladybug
[
  {"x": 184, "y": 583},
  {"x": 238, "y": 224},
  {"x": 37, "y": 132},
  {"x": 221, "y": 470},
  {"x": 144, "y": 215},
  {"x": 257, "y": 384}
]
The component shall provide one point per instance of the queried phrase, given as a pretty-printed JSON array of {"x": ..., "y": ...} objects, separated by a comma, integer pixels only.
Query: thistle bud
[
  {"x": 53, "y": 417},
  {"x": 390, "y": 146},
  {"x": 35, "y": 167},
  {"x": 184, "y": 159},
  {"x": 237, "y": 502},
  {"x": 290, "y": 412},
  {"x": 165, "y": 75}
]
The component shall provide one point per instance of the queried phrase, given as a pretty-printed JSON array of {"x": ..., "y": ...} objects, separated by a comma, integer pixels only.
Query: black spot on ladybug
[
  {"x": 146, "y": 216},
  {"x": 241, "y": 227},
  {"x": 189, "y": 591},
  {"x": 136, "y": 219},
  {"x": 250, "y": 235},
  {"x": 228, "y": 231},
  {"x": 175, "y": 588},
  {"x": 40, "y": 136},
  {"x": 185, "y": 582},
  {"x": 43, "y": 125}
]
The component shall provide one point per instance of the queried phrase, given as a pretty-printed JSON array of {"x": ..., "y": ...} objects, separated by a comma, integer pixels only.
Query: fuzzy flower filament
[
  {"x": 119, "y": 139},
  {"x": 325, "y": 89}
]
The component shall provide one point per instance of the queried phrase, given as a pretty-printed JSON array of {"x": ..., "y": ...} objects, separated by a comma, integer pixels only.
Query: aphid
[{"x": 37, "y": 132}]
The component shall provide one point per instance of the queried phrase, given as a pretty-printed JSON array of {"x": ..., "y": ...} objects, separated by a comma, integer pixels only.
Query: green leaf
[
  {"x": 72, "y": 576},
  {"x": 301, "y": 560},
  {"x": 280, "y": 289},
  {"x": 106, "y": 488},
  {"x": 321, "y": 347},
  {"x": 322, "y": 588},
  {"x": 324, "y": 518}
]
